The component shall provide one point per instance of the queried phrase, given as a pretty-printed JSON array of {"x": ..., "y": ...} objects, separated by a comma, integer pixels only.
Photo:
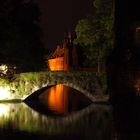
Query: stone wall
[{"x": 24, "y": 84}]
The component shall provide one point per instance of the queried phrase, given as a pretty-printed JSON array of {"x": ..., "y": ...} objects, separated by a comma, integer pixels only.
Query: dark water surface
[
  {"x": 18, "y": 121},
  {"x": 62, "y": 113}
]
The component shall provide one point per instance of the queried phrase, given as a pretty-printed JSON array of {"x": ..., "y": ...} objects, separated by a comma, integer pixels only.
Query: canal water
[{"x": 62, "y": 113}]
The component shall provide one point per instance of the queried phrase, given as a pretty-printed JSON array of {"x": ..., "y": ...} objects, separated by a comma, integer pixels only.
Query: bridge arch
[{"x": 24, "y": 84}]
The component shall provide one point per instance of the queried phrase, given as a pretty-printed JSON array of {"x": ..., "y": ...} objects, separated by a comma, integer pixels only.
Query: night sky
[{"x": 59, "y": 16}]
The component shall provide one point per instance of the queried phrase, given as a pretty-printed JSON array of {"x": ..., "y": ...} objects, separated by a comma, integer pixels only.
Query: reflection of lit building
[
  {"x": 56, "y": 98},
  {"x": 65, "y": 56},
  {"x": 62, "y": 99}
]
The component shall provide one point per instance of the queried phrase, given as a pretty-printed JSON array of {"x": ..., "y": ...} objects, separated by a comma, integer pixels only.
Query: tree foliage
[
  {"x": 20, "y": 35},
  {"x": 94, "y": 33}
]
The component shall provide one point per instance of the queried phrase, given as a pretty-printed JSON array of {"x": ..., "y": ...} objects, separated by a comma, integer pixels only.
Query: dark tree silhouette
[
  {"x": 20, "y": 35},
  {"x": 123, "y": 63},
  {"x": 94, "y": 33}
]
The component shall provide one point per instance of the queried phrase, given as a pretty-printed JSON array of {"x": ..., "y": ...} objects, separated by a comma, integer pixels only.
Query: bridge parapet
[{"x": 24, "y": 84}]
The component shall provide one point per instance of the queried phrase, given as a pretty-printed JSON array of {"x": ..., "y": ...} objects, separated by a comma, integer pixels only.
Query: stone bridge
[{"x": 24, "y": 84}]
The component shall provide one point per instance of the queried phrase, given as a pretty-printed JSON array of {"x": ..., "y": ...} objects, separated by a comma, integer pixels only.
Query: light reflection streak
[
  {"x": 21, "y": 117},
  {"x": 57, "y": 98},
  {"x": 4, "y": 110}
]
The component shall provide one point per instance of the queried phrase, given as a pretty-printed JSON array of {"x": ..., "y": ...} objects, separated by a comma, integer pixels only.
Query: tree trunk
[{"x": 123, "y": 64}]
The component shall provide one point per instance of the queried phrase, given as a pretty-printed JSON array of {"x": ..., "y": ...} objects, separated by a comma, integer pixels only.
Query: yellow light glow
[
  {"x": 4, "y": 93},
  {"x": 4, "y": 109},
  {"x": 3, "y": 68}
]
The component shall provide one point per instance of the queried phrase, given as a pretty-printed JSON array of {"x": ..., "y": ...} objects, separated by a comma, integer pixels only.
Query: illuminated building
[{"x": 64, "y": 57}]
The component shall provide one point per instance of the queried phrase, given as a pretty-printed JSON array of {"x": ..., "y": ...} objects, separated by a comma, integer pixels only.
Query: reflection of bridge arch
[{"x": 86, "y": 122}]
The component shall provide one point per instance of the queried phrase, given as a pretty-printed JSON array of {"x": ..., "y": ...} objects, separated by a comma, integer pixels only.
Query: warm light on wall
[{"x": 56, "y": 64}]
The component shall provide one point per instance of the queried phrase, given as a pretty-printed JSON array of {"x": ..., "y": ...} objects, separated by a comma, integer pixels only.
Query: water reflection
[
  {"x": 127, "y": 121},
  {"x": 92, "y": 122},
  {"x": 56, "y": 98},
  {"x": 78, "y": 120},
  {"x": 61, "y": 99}
]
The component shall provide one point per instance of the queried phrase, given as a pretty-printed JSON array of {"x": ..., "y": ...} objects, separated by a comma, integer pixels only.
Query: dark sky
[{"x": 60, "y": 16}]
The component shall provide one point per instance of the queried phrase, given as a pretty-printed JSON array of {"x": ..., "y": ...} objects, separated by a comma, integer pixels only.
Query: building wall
[
  {"x": 56, "y": 64},
  {"x": 64, "y": 57}
]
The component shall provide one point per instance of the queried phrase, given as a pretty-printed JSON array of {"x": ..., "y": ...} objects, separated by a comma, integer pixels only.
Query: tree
[
  {"x": 20, "y": 35},
  {"x": 94, "y": 33}
]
